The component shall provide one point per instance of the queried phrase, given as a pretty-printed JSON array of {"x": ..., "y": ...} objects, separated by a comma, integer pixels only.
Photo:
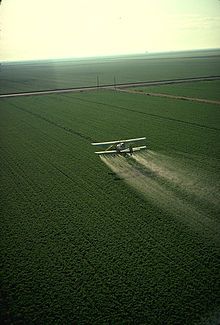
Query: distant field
[
  {"x": 201, "y": 89},
  {"x": 86, "y": 240},
  {"x": 17, "y": 77}
]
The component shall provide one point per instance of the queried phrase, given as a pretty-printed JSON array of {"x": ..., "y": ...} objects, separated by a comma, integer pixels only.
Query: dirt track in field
[
  {"x": 201, "y": 100},
  {"x": 168, "y": 184}
]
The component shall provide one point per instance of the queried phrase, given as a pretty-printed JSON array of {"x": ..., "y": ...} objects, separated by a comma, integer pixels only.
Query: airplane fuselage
[{"x": 120, "y": 146}]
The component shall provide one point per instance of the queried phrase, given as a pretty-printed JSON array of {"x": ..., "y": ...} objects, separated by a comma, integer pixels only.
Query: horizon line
[{"x": 72, "y": 58}]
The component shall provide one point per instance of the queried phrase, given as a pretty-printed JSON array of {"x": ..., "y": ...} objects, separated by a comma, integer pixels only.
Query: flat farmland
[
  {"x": 53, "y": 74},
  {"x": 115, "y": 240}
]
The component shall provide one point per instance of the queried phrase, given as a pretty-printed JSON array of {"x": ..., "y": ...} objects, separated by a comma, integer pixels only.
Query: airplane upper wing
[{"x": 117, "y": 141}]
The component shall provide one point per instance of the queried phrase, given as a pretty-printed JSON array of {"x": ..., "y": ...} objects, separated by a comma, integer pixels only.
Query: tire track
[
  {"x": 157, "y": 116},
  {"x": 68, "y": 130}
]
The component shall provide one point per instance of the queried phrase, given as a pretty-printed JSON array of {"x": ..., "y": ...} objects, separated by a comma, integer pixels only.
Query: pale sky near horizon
[{"x": 40, "y": 29}]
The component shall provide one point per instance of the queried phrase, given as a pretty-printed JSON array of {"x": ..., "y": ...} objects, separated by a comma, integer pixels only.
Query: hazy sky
[{"x": 32, "y": 29}]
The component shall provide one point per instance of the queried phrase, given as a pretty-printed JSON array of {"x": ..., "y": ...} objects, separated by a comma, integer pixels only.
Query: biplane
[{"x": 122, "y": 147}]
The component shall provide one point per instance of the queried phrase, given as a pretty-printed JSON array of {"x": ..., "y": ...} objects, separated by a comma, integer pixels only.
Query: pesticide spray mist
[{"x": 172, "y": 186}]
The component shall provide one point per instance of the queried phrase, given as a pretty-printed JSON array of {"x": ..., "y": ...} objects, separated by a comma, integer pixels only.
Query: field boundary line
[
  {"x": 109, "y": 86},
  {"x": 195, "y": 99}
]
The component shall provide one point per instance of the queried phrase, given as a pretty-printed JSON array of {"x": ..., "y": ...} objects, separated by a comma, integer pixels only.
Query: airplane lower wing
[
  {"x": 106, "y": 152},
  {"x": 139, "y": 148},
  {"x": 127, "y": 150},
  {"x": 118, "y": 141}
]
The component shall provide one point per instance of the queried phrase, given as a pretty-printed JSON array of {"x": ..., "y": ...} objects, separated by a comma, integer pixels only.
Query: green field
[
  {"x": 36, "y": 75},
  {"x": 201, "y": 89},
  {"x": 115, "y": 240}
]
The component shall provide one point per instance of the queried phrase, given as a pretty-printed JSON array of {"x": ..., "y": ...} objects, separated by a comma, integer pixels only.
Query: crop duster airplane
[{"x": 122, "y": 147}]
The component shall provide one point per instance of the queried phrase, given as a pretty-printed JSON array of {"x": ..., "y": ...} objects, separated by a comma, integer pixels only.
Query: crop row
[{"x": 78, "y": 245}]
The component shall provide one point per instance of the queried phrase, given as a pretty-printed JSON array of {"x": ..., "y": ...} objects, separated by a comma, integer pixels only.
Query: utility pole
[
  {"x": 97, "y": 81},
  {"x": 115, "y": 82}
]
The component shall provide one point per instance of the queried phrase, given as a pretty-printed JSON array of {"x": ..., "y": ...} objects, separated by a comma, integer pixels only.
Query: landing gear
[{"x": 131, "y": 150}]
